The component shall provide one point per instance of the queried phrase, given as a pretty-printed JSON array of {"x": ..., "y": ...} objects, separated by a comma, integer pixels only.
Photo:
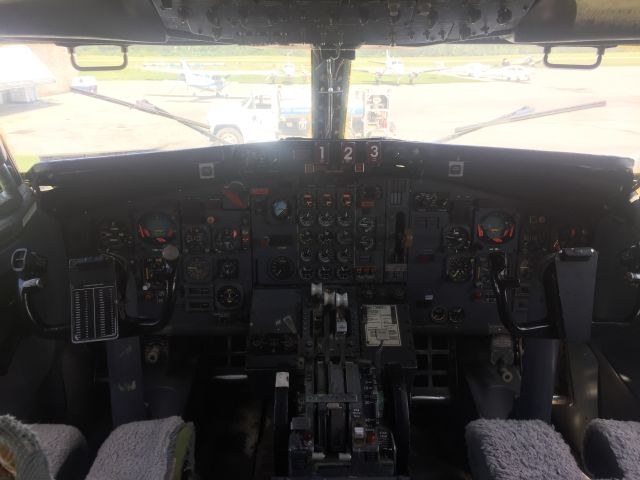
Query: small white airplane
[
  {"x": 216, "y": 80},
  {"x": 392, "y": 67}
]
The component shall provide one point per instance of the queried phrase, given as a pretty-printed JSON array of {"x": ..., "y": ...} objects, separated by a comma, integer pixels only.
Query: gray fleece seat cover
[
  {"x": 612, "y": 449},
  {"x": 43, "y": 451},
  {"x": 519, "y": 449},
  {"x": 141, "y": 451}
]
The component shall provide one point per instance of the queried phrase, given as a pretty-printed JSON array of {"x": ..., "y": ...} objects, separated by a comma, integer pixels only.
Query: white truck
[{"x": 273, "y": 115}]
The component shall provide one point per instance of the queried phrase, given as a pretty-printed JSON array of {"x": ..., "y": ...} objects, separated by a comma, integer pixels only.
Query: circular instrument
[
  {"x": 306, "y": 255},
  {"x": 326, "y": 255},
  {"x": 366, "y": 243},
  {"x": 227, "y": 239},
  {"x": 496, "y": 227},
  {"x": 196, "y": 238},
  {"x": 345, "y": 218},
  {"x": 325, "y": 219},
  {"x": 344, "y": 237},
  {"x": 229, "y": 296},
  {"x": 367, "y": 224},
  {"x": 280, "y": 209},
  {"x": 197, "y": 269},
  {"x": 281, "y": 268},
  {"x": 306, "y": 219},
  {"x": 456, "y": 238},
  {"x": 305, "y": 237},
  {"x": 459, "y": 268},
  {"x": 157, "y": 228},
  {"x": 325, "y": 237}
]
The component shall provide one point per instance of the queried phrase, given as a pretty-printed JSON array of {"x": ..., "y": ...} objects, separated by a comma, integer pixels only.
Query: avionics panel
[{"x": 390, "y": 219}]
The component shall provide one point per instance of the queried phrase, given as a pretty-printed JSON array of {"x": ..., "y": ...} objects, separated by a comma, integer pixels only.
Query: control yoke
[
  {"x": 98, "y": 296},
  {"x": 568, "y": 278}
]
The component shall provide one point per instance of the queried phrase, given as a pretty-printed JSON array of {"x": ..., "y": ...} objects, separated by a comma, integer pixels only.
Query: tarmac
[{"x": 74, "y": 124}]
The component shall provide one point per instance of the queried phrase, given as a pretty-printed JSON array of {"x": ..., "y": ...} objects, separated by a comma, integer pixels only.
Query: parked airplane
[
  {"x": 392, "y": 67},
  {"x": 216, "y": 80}
]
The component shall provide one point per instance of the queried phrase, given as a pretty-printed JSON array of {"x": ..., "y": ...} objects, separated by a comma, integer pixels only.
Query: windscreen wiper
[
  {"x": 148, "y": 107},
  {"x": 524, "y": 113}
]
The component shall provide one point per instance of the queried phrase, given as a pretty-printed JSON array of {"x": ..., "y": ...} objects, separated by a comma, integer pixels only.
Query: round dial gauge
[
  {"x": 306, "y": 254},
  {"x": 326, "y": 255},
  {"x": 345, "y": 255},
  {"x": 343, "y": 272},
  {"x": 197, "y": 269},
  {"x": 344, "y": 237},
  {"x": 157, "y": 228},
  {"x": 306, "y": 272},
  {"x": 325, "y": 272},
  {"x": 459, "y": 268},
  {"x": 229, "y": 296},
  {"x": 227, "y": 239},
  {"x": 281, "y": 268},
  {"x": 345, "y": 219},
  {"x": 325, "y": 219},
  {"x": 305, "y": 237},
  {"x": 306, "y": 219},
  {"x": 456, "y": 238},
  {"x": 325, "y": 237},
  {"x": 281, "y": 209},
  {"x": 196, "y": 238},
  {"x": 228, "y": 268},
  {"x": 114, "y": 235},
  {"x": 496, "y": 227},
  {"x": 366, "y": 243},
  {"x": 367, "y": 224}
]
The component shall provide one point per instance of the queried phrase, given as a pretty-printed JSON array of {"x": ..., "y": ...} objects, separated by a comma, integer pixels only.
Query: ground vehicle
[
  {"x": 330, "y": 307},
  {"x": 271, "y": 115}
]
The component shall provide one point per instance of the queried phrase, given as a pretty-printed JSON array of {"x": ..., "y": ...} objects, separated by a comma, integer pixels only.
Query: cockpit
[{"x": 336, "y": 240}]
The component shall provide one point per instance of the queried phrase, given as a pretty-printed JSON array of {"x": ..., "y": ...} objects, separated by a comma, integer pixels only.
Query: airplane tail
[{"x": 185, "y": 67}]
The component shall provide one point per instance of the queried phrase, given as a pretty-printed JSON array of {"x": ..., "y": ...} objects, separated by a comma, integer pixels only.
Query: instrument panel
[{"x": 335, "y": 219}]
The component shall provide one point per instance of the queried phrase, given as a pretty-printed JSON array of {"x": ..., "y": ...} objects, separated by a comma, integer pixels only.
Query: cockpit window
[{"x": 178, "y": 97}]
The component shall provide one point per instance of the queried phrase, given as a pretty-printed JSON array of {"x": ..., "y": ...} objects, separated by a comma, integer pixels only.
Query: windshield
[{"x": 171, "y": 98}]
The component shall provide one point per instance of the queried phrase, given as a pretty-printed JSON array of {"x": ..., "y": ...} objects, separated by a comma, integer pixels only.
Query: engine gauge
[
  {"x": 326, "y": 255},
  {"x": 197, "y": 269},
  {"x": 325, "y": 219},
  {"x": 305, "y": 237},
  {"x": 229, "y": 297},
  {"x": 344, "y": 237},
  {"x": 227, "y": 239},
  {"x": 196, "y": 238},
  {"x": 306, "y": 254},
  {"x": 325, "y": 237},
  {"x": 306, "y": 272},
  {"x": 281, "y": 268},
  {"x": 157, "y": 228},
  {"x": 496, "y": 227},
  {"x": 325, "y": 272},
  {"x": 345, "y": 219},
  {"x": 280, "y": 209},
  {"x": 366, "y": 243},
  {"x": 456, "y": 238},
  {"x": 343, "y": 272},
  {"x": 114, "y": 235},
  {"x": 345, "y": 255},
  {"x": 367, "y": 224},
  {"x": 306, "y": 219}
]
